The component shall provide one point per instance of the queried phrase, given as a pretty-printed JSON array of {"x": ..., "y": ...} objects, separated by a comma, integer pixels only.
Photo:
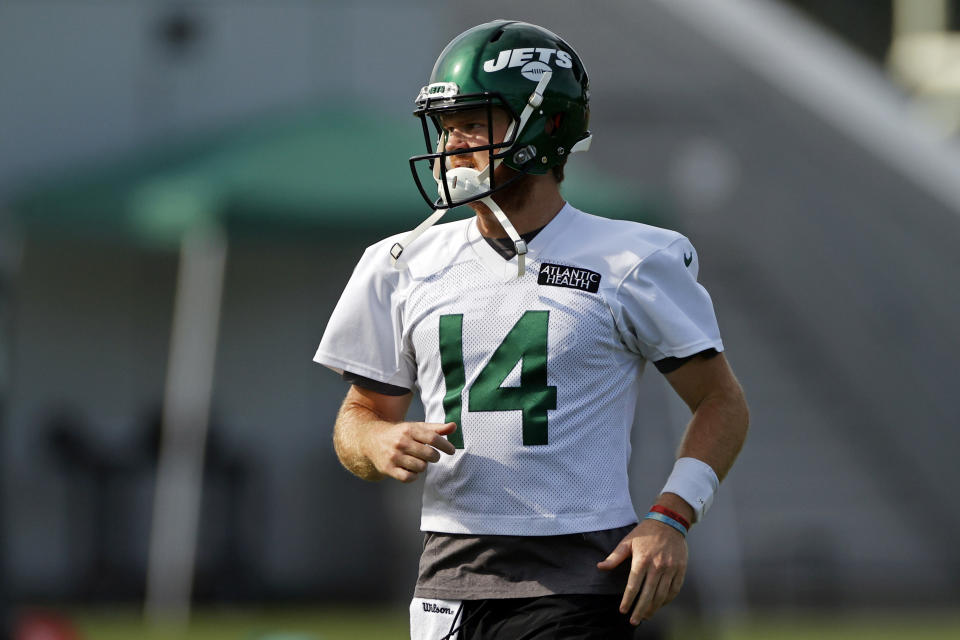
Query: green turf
[
  {"x": 362, "y": 624},
  {"x": 321, "y": 624},
  {"x": 861, "y": 626}
]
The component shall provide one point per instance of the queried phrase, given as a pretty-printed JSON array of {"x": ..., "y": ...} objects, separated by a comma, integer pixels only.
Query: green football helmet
[
  {"x": 528, "y": 71},
  {"x": 537, "y": 79}
]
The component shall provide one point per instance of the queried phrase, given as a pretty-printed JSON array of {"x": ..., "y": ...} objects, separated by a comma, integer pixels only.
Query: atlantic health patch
[{"x": 558, "y": 275}]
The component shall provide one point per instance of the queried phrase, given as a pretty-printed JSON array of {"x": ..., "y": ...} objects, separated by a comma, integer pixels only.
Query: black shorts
[{"x": 557, "y": 617}]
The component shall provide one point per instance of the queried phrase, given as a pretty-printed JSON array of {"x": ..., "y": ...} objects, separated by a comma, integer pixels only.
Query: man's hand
[
  {"x": 403, "y": 450},
  {"x": 372, "y": 441},
  {"x": 658, "y": 566}
]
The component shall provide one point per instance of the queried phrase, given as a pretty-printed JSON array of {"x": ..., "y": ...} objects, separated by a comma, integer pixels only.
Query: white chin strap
[
  {"x": 518, "y": 243},
  {"x": 465, "y": 182}
]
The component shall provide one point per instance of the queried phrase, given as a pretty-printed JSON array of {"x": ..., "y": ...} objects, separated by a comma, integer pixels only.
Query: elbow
[
  {"x": 347, "y": 446},
  {"x": 744, "y": 408},
  {"x": 736, "y": 408}
]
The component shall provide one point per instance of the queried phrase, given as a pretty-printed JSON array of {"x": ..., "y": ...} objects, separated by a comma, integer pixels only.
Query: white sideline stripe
[{"x": 814, "y": 69}]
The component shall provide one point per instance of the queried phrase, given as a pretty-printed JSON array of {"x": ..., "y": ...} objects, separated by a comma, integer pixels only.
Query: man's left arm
[{"x": 714, "y": 436}]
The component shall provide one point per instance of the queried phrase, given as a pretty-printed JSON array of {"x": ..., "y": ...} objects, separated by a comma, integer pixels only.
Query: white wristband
[{"x": 694, "y": 481}]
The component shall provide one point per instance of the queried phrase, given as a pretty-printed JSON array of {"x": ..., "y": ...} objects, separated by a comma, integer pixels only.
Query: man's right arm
[{"x": 373, "y": 442}]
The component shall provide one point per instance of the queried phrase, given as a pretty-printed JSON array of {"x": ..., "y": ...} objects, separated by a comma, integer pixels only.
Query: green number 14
[{"x": 525, "y": 343}]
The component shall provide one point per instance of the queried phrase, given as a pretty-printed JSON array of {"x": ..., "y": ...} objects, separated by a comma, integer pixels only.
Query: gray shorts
[{"x": 468, "y": 567}]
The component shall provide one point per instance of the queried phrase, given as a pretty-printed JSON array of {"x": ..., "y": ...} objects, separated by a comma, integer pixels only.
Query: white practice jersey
[{"x": 540, "y": 373}]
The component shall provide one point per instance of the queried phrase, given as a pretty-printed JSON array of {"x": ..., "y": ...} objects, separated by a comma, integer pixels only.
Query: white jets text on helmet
[{"x": 519, "y": 57}]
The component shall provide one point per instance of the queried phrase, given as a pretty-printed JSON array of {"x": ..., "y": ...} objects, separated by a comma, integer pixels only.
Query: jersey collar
[{"x": 506, "y": 270}]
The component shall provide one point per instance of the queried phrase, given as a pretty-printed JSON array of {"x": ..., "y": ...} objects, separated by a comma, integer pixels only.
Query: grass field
[
  {"x": 363, "y": 624},
  {"x": 862, "y": 626},
  {"x": 322, "y": 624}
]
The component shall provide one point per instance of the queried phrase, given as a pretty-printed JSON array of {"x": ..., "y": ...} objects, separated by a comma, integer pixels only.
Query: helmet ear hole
[{"x": 552, "y": 126}]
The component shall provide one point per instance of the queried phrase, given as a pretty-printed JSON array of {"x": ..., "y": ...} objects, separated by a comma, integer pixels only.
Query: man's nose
[{"x": 455, "y": 140}]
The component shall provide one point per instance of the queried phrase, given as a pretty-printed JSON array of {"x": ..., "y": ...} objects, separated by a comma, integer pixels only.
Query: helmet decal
[
  {"x": 521, "y": 57},
  {"x": 534, "y": 70}
]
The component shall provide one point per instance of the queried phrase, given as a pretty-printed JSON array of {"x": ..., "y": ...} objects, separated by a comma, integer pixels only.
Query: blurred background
[{"x": 185, "y": 188}]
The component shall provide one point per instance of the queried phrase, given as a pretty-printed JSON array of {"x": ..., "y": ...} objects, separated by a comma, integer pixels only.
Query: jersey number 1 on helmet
[{"x": 525, "y": 343}]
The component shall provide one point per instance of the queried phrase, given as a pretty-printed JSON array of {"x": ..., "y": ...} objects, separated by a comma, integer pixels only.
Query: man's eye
[{"x": 470, "y": 128}]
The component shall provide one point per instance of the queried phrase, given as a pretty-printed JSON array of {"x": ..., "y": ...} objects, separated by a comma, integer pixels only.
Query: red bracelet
[{"x": 670, "y": 513}]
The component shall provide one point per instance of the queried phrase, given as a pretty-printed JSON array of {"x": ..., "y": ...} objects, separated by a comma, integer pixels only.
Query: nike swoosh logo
[{"x": 687, "y": 259}]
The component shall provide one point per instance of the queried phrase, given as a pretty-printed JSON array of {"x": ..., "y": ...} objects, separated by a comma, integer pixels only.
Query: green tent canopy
[{"x": 315, "y": 171}]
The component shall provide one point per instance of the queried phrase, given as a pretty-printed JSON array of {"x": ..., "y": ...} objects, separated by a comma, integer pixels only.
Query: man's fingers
[
  {"x": 663, "y": 595},
  {"x": 657, "y": 569},
  {"x": 447, "y": 428},
  {"x": 418, "y": 450},
  {"x": 618, "y": 555},
  {"x": 635, "y": 582},
  {"x": 651, "y": 583},
  {"x": 416, "y": 445},
  {"x": 412, "y": 464},
  {"x": 402, "y": 475},
  {"x": 677, "y": 583},
  {"x": 440, "y": 442},
  {"x": 433, "y": 434}
]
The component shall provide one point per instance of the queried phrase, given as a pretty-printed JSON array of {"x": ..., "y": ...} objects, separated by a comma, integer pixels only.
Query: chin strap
[
  {"x": 397, "y": 249},
  {"x": 518, "y": 242}
]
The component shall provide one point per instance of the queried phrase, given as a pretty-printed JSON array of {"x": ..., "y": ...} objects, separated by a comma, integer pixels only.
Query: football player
[{"x": 525, "y": 329}]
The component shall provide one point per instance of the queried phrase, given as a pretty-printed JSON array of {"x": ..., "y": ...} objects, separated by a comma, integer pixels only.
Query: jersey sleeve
[
  {"x": 663, "y": 312},
  {"x": 365, "y": 333}
]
